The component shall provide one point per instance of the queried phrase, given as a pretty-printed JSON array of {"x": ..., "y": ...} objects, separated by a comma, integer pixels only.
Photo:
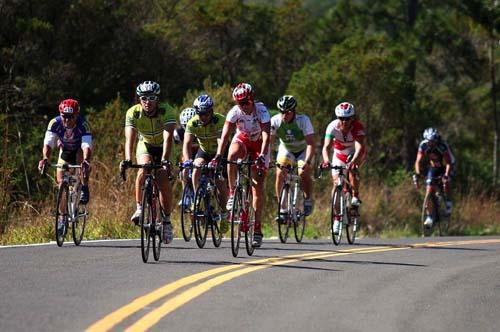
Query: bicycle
[
  {"x": 150, "y": 219},
  {"x": 207, "y": 210},
  {"x": 292, "y": 197},
  {"x": 186, "y": 203},
  {"x": 68, "y": 205},
  {"x": 348, "y": 214},
  {"x": 242, "y": 212},
  {"x": 437, "y": 198}
]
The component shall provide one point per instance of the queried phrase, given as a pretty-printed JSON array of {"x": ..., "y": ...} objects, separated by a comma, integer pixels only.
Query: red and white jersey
[
  {"x": 343, "y": 144},
  {"x": 249, "y": 124}
]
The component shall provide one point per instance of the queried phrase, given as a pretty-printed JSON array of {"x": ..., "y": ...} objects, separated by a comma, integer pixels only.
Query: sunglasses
[
  {"x": 345, "y": 119},
  {"x": 67, "y": 116},
  {"x": 148, "y": 98},
  {"x": 204, "y": 113},
  {"x": 244, "y": 102},
  {"x": 286, "y": 111}
]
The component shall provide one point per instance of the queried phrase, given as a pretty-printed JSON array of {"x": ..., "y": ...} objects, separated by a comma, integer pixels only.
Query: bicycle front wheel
[
  {"x": 352, "y": 224},
  {"x": 428, "y": 202},
  {"x": 61, "y": 213},
  {"x": 146, "y": 223},
  {"x": 201, "y": 214},
  {"x": 78, "y": 225},
  {"x": 444, "y": 219},
  {"x": 157, "y": 226},
  {"x": 250, "y": 229},
  {"x": 186, "y": 213},
  {"x": 299, "y": 224},
  {"x": 236, "y": 216},
  {"x": 284, "y": 217},
  {"x": 338, "y": 202},
  {"x": 215, "y": 219}
]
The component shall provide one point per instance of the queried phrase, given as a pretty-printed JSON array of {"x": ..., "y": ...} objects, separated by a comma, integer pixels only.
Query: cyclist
[
  {"x": 346, "y": 135},
  {"x": 152, "y": 127},
  {"x": 252, "y": 121},
  {"x": 441, "y": 162},
  {"x": 206, "y": 128},
  {"x": 72, "y": 134},
  {"x": 296, "y": 136}
]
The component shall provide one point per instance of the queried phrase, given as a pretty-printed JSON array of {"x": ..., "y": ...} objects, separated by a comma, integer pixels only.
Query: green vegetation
[{"x": 405, "y": 65}]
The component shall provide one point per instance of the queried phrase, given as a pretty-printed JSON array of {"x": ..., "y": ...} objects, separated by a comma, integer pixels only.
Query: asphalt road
[{"x": 438, "y": 284}]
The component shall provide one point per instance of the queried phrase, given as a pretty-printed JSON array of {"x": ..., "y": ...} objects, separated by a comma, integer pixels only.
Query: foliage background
[{"x": 406, "y": 65}]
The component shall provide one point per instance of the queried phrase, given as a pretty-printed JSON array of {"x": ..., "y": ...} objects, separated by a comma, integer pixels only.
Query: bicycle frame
[{"x": 436, "y": 196}]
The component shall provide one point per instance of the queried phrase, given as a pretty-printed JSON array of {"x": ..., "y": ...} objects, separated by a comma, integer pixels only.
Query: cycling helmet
[
  {"x": 344, "y": 110},
  {"x": 203, "y": 104},
  {"x": 186, "y": 115},
  {"x": 431, "y": 134},
  {"x": 287, "y": 103},
  {"x": 69, "y": 106},
  {"x": 243, "y": 92},
  {"x": 148, "y": 88}
]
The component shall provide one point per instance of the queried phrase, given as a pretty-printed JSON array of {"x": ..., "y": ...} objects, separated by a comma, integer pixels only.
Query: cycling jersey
[
  {"x": 68, "y": 139},
  {"x": 343, "y": 144},
  {"x": 206, "y": 135},
  {"x": 438, "y": 154},
  {"x": 150, "y": 129},
  {"x": 292, "y": 135},
  {"x": 249, "y": 125}
]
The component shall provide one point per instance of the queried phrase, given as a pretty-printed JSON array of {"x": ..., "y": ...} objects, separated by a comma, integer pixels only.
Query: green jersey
[
  {"x": 206, "y": 135},
  {"x": 150, "y": 129}
]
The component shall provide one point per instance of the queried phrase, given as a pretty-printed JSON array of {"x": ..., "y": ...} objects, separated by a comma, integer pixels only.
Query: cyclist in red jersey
[{"x": 253, "y": 124}]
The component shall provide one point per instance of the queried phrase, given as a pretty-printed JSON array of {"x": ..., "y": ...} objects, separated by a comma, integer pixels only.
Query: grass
[{"x": 387, "y": 211}]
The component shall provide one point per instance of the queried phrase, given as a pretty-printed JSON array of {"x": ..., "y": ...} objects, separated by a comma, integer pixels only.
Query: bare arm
[
  {"x": 228, "y": 128},
  {"x": 418, "y": 162},
  {"x": 358, "y": 146},
  {"x": 186, "y": 147},
  {"x": 266, "y": 129},
  {"x": 310, "y": 148},
  {"x": 326, "y": 149},
  {"x": 46, "y": 151},
  {"x": 130, "y": 137},
  {"x": 168, "y": 134}
]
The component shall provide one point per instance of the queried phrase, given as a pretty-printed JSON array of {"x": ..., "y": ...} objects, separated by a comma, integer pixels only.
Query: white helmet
[
  {"x": 148, "y": 88},
  {"x": 344, "y": 110},
  {"x": 186, "y": 115}
]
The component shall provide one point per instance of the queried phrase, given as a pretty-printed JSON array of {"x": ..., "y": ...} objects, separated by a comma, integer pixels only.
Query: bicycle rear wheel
[
  {"x": 78, "y": 225},
  {"x": 186, "y": 213},
  {"x": 299, "y": 224},
  {"x": 201, "y": 214},
  {"x": 146, "y": 222},
  {"x": 337, "y": 201},
  {"x": 250, "y": 229},
  {"x": 284, "y": 218},
  {"x": 236, "y": 216},
  {"x": 215, "y": 219},
  {"x": 61, "y": 205}
]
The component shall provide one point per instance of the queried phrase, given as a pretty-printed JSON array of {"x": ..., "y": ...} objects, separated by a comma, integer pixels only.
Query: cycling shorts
[
  {"x": 70, "y": 156},
  {"x": 154, "y": 151},
  {"x": 253, "y": 147},
  {"x": 288, "y": 158}
]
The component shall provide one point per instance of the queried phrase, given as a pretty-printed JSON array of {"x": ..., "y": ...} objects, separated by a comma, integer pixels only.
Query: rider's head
[
  {"x": 345, "y": 113},
  {"x": 431, "y": 135},
  {"x": 286, "y": 106},
  {"x": 148, "y": 93},
  {"x": 204, "y": 106},
  {"x": 243, "y": 95},
  {"x": 186, "y": 115},
  {"x": 69, "y": 110}
]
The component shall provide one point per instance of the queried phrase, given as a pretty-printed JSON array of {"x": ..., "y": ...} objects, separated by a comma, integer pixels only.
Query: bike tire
[
  {"x": 352, "y": 225},
  {"x": 201, "y": 214},
  {"x": 186, "y": 213},
  {"x": 299, "y": 224},
  {"x": 63, "y": 191},
  {"x": 146, "y": 221},
  {"x": 337, "y": 197},
  {"x": 157, "y": 234},
  {"x": 215, "y": 221},
  {"x": 425, "y": 230},
  {"x": 284, "y": 225},
  {"x": 78, "y": 225},
  {"x": 236, "y": 212},
  {"x": 250, "y": 230}
]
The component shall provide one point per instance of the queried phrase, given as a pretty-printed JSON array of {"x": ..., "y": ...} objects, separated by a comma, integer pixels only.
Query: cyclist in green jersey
[
  {"x": 206, "y": 127},
  {"x": 152, "y": 128},
  {"x": 296, "y": 136}
]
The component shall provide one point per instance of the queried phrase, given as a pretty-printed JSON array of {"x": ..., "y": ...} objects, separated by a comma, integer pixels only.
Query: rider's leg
[
  {"x": 197, "y": 172},
  {"x": 306, "y": 180},
  {"x": 278, "y": 183},
  {"x": 237, "y": 150}
]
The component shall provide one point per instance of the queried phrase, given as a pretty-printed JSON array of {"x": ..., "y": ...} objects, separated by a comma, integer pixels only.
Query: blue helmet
[
  {"x": 203, "y": 104},
  {"x": 431, "y": 134}
]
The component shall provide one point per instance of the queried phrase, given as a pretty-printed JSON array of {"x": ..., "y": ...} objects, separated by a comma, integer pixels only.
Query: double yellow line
[{"x": 218, "y": 276}]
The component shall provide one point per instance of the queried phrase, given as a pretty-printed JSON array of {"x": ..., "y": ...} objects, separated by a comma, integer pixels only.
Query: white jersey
[{"x": 249, "y": 124}]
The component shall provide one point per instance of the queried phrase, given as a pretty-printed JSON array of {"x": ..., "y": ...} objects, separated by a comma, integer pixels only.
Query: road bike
[
  {"x": 152, "y": 213},
  {"x": 187, "y": 202},
  {"x": 207, "y": 210},
  {"x": 242, "y": 212},
  {"x": 291, "y": 206},
  {"x": 435, "y": 200},
  {"x": 348, "y": 214},
  {"x": 68, "y": 207}
]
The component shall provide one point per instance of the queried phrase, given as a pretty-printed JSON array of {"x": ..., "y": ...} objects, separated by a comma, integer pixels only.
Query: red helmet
[
  {"x": 69, "y": 106},
  {"x": 243, "y": 92}
]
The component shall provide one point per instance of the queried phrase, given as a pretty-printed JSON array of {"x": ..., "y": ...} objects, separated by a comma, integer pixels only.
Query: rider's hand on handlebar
[
  {"x": 214, "y": 162},
  {"x": 42, "y": 165},
  {"x": 187, "y": 164},
  {"x": 324, "y": 164},
  {"x": 416, "y": 178},
  {"x": 261, "y": 160},
  {"x": 124, "y": 164}
]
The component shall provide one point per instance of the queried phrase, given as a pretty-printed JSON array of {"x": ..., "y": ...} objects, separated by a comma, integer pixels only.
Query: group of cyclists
[{"x": 206, "y": 140}]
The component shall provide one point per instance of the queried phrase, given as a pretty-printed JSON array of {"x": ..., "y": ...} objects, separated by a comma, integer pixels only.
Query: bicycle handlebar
[{"x": 144, "y": 166}]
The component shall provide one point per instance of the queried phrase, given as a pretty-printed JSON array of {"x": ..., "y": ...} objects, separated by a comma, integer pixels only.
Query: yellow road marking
[{"x": 227, "y": 273}]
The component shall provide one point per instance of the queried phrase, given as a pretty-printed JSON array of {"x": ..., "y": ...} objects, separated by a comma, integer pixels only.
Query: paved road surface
[{"x": 438, "y": 284}]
